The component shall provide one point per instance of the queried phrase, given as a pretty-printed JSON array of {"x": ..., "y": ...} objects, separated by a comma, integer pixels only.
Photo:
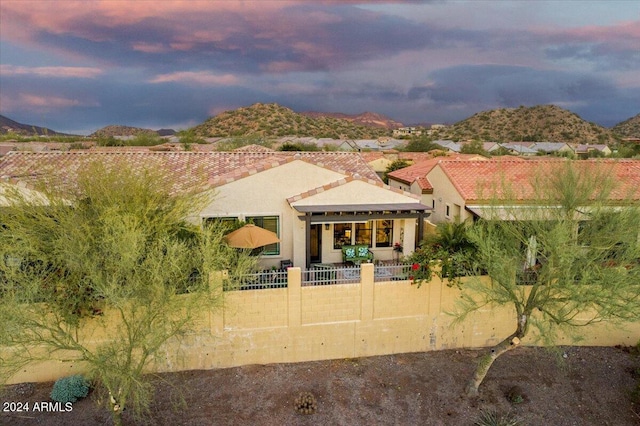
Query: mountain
[
  {"x": 365, "y": 119},
  {"x": 9, "y": 126},
  {"x": 542, "y": 123},
  {"x": 274, "y": 120},
  {"x": 629, "y": 128},
  {"x": 127, "y": 131}
]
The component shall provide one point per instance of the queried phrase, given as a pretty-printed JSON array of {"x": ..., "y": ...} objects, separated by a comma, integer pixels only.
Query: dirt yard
[{"x": 579, "y": 386}]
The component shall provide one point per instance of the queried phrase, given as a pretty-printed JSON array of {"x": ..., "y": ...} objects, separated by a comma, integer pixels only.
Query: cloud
[
  {"x": 509, "y": 86},
  {"x": 271, "y": 36},
  {"x": 607, "y": 47},
  {"x": 51, "y": 72},
  {"x": 39, "y": 103},
  {"x": 204, "y": 78}
]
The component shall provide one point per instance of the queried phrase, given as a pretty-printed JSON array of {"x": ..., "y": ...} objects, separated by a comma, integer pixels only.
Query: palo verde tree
[
  {"x": 567, "y": 259},
  {"x": 107, "y": 272}
]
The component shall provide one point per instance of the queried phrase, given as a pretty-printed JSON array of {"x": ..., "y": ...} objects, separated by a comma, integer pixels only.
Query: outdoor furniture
[
  {"x": 284, "y": 264},
  {"x": 357, "y": 254}
]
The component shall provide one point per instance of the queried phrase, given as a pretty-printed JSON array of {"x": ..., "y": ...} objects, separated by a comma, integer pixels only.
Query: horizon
[{"x": 78, "y": 69}]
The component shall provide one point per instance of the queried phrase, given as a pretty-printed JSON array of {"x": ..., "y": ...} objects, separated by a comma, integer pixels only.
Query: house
[
  {"x": 379, "y": 144},
  {"x": 551, "y": 147},
  {"x": 466, "y": 190},
  {"x": 587, "y": 150},
  {"x": 518, "y": 149},
  {"x": 413, "y": 179},
  {"x": 448, "y": 145},
  {"x": 380, "y": 161},
  {"x": 315, "y": 201},
  {"x": 407, "y": 131}
]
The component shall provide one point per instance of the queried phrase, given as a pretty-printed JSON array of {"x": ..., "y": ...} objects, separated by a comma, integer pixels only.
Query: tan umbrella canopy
[{"x": 251, "y": 236}]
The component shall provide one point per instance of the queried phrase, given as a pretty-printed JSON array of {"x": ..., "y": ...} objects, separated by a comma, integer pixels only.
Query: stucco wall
[
  {"x": 299, "y": 323},
  {"x": 445, "y": 194}
]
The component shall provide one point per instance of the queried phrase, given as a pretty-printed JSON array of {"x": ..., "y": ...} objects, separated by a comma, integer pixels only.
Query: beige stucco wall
[
  {"x": 445, "y": 194},
  {"x": 266, "y": 193},
  {"x": 299, "y": 323}
]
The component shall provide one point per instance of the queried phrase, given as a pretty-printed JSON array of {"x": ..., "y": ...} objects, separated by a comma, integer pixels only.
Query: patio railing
[
  {"x": 269, "y": 278},
  {"x": 392, "y": 272},
  {"x": 323, "y": 274}
]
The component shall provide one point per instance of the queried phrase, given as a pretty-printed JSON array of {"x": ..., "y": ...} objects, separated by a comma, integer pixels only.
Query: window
[
  {"x": 447, "y": 211},
  {"x": 363, "y": 233},
  {"x": 341, "y": 235},
  {"x": 270, "y": 223},
  {"x": 384, "y": 233}
]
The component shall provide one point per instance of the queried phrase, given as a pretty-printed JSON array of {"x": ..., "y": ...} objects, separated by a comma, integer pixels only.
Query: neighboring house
[
  {"x": 464, "y": 190},
  {"x": 379, "y": 161},
  {"x": 490, "y": 146},
  {"x": 551, "y": 147},
  {"x": 414, "y": 179},
  {"x": 379, "y": 144},
  {"x": 585, "y": 150},
  {"x": 518, "y": 149},
  {"x": 448, "y": 145},
  {"x": 315, "y": 201},
  {"x": 407, "y": 131}
]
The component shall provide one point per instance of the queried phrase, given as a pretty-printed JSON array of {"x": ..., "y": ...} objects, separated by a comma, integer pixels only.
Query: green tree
[
  {"x": 115, "y": 256},
  {"x": 475, "y": 147},
  {"x": 421, "y": 144},
  {"x": 449, "y": 253},
  {"x": 188, "y": 138},
  {"x": 578, "y": 256},
  {"x": 395, "y": 165}
]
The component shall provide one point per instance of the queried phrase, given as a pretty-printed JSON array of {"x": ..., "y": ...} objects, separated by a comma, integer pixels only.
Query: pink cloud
[
  {"x": 40, "y": 103},
  {"x": 49, "y": 72},
  {"x": 198, "y": 77},
  {"x": 623, "y": 36},
  {"x": 60, "y": 16},
  {"x": 149, "y": 47}
]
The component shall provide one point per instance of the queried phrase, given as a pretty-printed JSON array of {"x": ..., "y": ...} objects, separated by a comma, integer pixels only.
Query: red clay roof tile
[
  {"x": 483, "y": 180},
  {"x": 188, "y": 169}
]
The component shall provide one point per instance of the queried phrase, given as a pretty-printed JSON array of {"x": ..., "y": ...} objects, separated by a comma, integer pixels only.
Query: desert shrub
[
  {"x": 305, "y": 403},
  {"x": 451, "y": 249},
  {"x": 492, "y": 418},
  {"x": 515, "y": 395},
  {"x": 70, "y": 389}
]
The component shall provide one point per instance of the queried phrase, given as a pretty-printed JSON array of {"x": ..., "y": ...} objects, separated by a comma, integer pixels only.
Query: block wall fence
[{"x": 308, "y": 323}]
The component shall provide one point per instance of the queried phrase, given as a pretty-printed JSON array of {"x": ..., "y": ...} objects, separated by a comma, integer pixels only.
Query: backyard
[{"x": 573, "y": 386}]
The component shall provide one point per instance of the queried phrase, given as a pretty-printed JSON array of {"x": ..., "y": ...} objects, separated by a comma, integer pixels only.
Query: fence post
[
  {"x": 366, "y": 291},
  {"x": 294, "y": 294}
]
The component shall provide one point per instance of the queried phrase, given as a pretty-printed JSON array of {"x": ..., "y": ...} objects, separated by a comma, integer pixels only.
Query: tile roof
[
  {"x": 481, "y": 180},
  {"x": 187, "y": 169},
  {"x": 253, "y": 148},
  {"x": 345, "y": 181},
  {"x": 419, "y": 170}
]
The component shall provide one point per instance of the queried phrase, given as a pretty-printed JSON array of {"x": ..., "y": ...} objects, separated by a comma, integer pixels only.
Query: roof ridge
[{"x": 344, "y": 181}]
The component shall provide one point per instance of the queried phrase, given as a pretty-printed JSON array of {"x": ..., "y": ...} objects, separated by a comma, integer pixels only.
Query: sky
[{"x": 77, "y": 66}]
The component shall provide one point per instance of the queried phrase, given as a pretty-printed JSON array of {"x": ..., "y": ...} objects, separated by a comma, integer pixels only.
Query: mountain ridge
[
  {"x": 8, "y": 125},
  {"x": 536, "y": 123},
  {"x": 540, "y": 123},
  {"x": 273, "y": 120}
]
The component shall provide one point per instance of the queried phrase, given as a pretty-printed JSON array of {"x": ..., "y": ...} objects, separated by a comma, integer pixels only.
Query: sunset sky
[{"x": 77, "y": 66}]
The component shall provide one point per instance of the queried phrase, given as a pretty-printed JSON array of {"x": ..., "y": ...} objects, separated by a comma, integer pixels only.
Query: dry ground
[{"x": 587, "y": 386}]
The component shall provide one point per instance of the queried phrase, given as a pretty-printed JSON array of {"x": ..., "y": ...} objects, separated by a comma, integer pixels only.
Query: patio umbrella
[{"x": 251, "y": 236}]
